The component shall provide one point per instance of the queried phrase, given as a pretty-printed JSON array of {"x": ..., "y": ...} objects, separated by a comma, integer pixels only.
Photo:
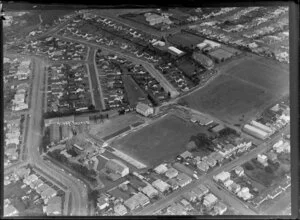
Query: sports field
[
  {"x": 159, "y": 141},
  {"x": 244, "y": 87},
  {"x": 266, "y": 73}
]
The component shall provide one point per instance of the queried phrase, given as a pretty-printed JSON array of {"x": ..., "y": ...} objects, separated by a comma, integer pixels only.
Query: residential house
[
  {"x": 102, "y": 202},
  {"x": 171, "y": 173},
  {"x": 220, "y": 208},
  {"x": 244, "y": 194},
  {"x": 209, "y": 200},
  {"x": 223, "y": 176},
  {"x": 120, "y": 210},
  {"x": 183, "y": 179},
  {"x": 186, "y": 155},
  {"x": 190, "y": 196},
  {"x": 203, "y": 166},
  {"x": 160, "y": 185},
  {"x": 149, "y": 191},
  {"x": 239, "y": 171},
  {"x": 263, "y": 159},
  {"x": 160, "y": 169},
  {"x": 117, "y": 167}
]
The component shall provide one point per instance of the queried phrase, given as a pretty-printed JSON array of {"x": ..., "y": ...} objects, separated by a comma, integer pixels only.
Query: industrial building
[
  {"x": 256, "y": 132},
  {"x": 261, "y": 126},
  {"x": 175, "y": 51}
]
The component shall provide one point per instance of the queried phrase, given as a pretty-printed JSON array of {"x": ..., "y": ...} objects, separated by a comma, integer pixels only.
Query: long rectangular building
[
  {"x": 256, "y": 132},
  {"x": 261, "y": 126}
]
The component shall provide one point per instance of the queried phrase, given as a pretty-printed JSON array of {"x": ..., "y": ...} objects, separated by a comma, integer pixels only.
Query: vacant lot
[
  {"x": 133, "y": 91},
  {"x": 159, "y": 141},
  {"x": 185, "y": 39},
  {"x": 110, "y": 126},
  {"x": 244, "y": 87}
]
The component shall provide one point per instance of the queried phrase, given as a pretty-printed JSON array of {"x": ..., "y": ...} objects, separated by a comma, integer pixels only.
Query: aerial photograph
[{"x": 146, "y": 111}]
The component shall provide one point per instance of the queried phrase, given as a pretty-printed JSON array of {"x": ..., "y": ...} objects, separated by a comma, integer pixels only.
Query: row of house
[
  {"x": 24, "y": 70},
  {"x": 19, "y": 102},
  {"x": 67, "y": 120},
  {"x": 201, "y": 192},
  {"x": 241, "y": 192},
  {"x": 12, "y": 138},
  {"x": 273, "y": 193}
]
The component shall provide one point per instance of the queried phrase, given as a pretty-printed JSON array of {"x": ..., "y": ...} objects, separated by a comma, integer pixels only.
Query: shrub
[{"x": 248, "y": 166}]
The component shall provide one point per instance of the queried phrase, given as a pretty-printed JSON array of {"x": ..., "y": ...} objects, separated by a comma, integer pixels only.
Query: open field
[
  {"x": 185, "y": 39},
  {"x": 159, "y": 141},
  {"x": 114, "y": 124},
  {"x": 244, "y": 87},
  {"x": 268, "y": 74},
  {"x": 228, "y": 99}
]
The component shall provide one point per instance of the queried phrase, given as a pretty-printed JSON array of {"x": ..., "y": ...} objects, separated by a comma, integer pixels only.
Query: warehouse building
[
  {"x": 175, "y": 51},
  {"x": 256, "y": 132},
  {"x": 261, "y": 126}
]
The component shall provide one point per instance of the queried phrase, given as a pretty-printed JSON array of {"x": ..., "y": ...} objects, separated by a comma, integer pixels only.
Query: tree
[
  {"x": 91, "y": 107},
  {"x": 191, "y": 146}
]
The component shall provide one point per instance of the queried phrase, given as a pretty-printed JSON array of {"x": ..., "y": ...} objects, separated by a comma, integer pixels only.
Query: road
[
  {"x": 95, "y": 78},
  {"x": 79, "y": 194},
  {"x": 149, "y": 67},
  {"x": 152, "y": 208}
]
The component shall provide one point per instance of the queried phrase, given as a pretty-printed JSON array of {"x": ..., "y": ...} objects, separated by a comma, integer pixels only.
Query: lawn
[
  {"x": 228, "y": 99},
  {"x": 259, "y": 174},
  {"x": 113, "y": 125},
  {"x": 185, "y": 39},
  {"x": 133, "y": 91},
  {"x": 159, "y": 141},
  {"x": 265, "y": 73},
  {"x": 245, "y": 86}
]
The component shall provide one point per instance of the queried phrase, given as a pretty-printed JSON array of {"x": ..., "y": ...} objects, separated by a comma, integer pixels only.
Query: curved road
[
  {"x": 148, "y": 66},
  {"x": 78, "y": 191}
]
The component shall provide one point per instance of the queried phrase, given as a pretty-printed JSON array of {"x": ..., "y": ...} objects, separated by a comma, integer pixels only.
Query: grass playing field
[
  {"x": 244, "y": 87},
  {"x": 159, "y": 141}
]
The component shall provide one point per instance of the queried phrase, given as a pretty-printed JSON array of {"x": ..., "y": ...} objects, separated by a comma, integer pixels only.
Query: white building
[
  {"x": 262, "y": 159},
  {"x": 160, "y": 185},
  {"x": 209, "y": 200},
  {"x": 160, "y": 169},
  {"x": 256, "y": 132},
  {"x": 144, "y": 109},
  {"x": 261, "y": 126},
  {"x": 117, "y": 167},
  {"x": 223, "y": 176},
  {"x": 175, "y": 50}
]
